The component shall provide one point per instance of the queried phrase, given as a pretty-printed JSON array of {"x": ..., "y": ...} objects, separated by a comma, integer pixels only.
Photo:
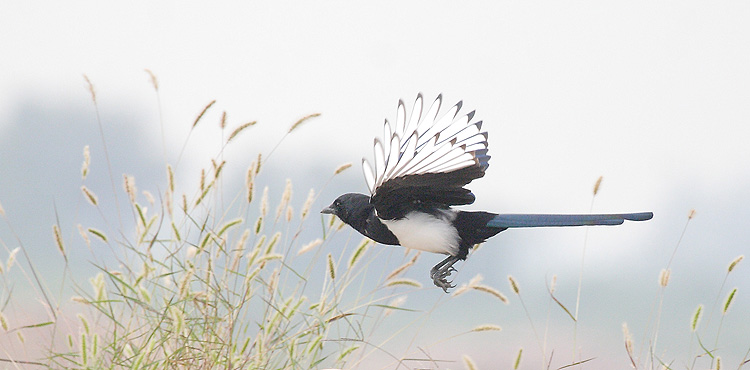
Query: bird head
[{"x": 348, "y": 206}]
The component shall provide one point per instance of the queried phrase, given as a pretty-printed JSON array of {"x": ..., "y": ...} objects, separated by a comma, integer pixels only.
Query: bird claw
[{"x": 439, "y": 278}]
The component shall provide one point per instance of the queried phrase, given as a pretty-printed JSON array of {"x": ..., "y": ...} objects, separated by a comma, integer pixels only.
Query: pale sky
[{"x": 652, "y": 95}]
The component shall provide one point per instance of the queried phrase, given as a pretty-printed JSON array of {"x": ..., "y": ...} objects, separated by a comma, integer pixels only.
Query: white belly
[{"x": 426, "y": 232}]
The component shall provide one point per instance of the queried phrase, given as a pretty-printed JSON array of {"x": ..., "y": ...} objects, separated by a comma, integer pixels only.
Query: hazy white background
[{"x": 653, "y": 95}]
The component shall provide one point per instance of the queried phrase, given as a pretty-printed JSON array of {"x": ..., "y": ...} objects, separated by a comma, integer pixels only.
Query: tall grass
[
  {"x": 204, "y": 281},
  {"x": 201, "y": 280}
]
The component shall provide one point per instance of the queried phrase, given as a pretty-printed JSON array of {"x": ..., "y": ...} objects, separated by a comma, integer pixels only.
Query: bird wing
[
  {"x": 520, "y": 220},
  {"x": 426, "y": 158}
]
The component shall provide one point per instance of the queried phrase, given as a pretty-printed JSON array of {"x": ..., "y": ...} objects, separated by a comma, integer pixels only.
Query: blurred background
[{"x": 651, "y": 95}]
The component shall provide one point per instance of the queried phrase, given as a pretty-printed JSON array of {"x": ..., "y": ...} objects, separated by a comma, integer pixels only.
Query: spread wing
[{"x": 426, "y": 158}]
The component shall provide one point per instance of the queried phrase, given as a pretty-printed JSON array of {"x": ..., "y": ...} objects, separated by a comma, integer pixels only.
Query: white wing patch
[{"x": 426, "y": 142}]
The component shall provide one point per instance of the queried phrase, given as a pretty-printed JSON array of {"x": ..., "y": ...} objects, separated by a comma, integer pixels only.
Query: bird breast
[{"x": 426, "y": 232}]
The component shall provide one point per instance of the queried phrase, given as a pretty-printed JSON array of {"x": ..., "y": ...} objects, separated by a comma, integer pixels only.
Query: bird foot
[{"x": 441, "y": 272}]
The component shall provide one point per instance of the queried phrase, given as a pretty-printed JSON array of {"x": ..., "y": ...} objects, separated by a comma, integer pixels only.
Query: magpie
[{"x": 419, "y": 172}]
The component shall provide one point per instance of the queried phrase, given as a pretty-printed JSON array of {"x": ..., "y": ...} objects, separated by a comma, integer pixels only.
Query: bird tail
[{"x": 541, "y": 220}]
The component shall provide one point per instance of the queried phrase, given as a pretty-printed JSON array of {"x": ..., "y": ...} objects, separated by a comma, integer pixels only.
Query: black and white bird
[{"x": 419, "y": 171}]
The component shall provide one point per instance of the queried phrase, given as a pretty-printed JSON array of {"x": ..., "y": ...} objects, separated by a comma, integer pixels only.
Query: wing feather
[{"x": 426, "y": 157}]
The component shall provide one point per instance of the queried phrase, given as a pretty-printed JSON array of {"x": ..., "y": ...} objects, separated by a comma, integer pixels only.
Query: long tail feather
[{"x": 519, "y": 220}]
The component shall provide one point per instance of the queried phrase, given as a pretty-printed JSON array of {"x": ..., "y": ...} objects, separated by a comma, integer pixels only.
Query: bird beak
[{"x": 328, "y": 210}]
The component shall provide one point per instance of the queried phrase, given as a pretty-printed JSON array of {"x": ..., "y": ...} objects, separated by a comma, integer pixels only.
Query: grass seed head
[
  {"x": 90, "y": 87},
  {"x": 308, "y": 203},
  {"x": 197, "y": 119},
  {"x": 152, "y": 78},
  {"x": 402, "y": 268},
  {"x": 664, "y": 277},
  {"x": 90, "y": 196},
  {"x": 3, "y": 322},
  {"x": 341, "y": 168},
  {"x": 149, "y": 197},
  {"x": 358, "y": 252},
  {"x": 331, "y": 267},
  {"x": 240, "y": 129},
  {"x": 513, "y": 285},
  {"x": 691, "y": 214},
  {"x": 86, "y": 162},
  {"x": 58, "y": 239},
  {"x": 598, "y": 184},
  {"x": 628, "y": 340},
  {"x": 309, "y": 246},
  {"x": 170, "y": 177},
  {"x": 83, "y": 234},
  {"x": 518, "y": 359},
  {"x": 264, "y": 202},
  {"x": 696, "y": 318},
  {"x": 302, "y": 120},
  {"x": 129, "y": 186},
  {"x": 734, "y": 263},
  {"x": 469, "y": 363},
  {"x": 728, "y": 301},
  {"x": 492, "y": 291},
  {"x": 409, "y": 282},
  {"x": 286, "y": 197},
  {"x": 486, "y": 327},
  {"x": 223, "y": 121}
]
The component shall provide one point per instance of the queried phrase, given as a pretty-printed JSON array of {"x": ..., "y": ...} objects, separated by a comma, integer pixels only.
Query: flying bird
[{"x": 419, "y": 171}]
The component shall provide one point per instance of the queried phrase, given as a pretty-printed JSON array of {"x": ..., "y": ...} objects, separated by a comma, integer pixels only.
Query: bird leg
[{"x": 441, "y": 271}]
